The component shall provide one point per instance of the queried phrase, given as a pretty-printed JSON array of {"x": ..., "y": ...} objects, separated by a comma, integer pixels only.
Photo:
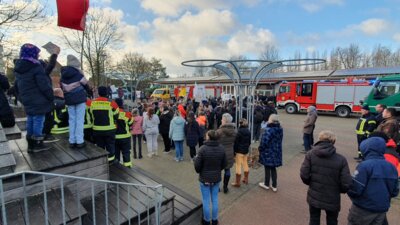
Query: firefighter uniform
[
  {"x": 88, "y": 123},
  {"x": 123, "y": 137},
  {"x": 105, "y": 113},
  {"x": 60, "y": 114},
  {"x": 366, "y": 125}
]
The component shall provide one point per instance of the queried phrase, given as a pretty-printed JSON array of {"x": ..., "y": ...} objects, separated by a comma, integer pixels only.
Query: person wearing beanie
[
  {"x": 123, "y": 135},
  {"x": 75, "y": 87},
  {"x": 35, "y": 93},
  {"x": 366, "y": 124},
  {"x": 308, "y": 128},
  {"x": 375, "y": 182},
  {"x": 105, "y": 114}
]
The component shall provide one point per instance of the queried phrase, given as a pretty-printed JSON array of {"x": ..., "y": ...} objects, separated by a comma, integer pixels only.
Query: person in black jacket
[
  {"x": 241, "y": 148},
  {"x": 327, "y": 174},
  {"x": 74, "y": 85},
  {"x": 35, "y": 93},
  {"x": 165, "y": 121},
  {"x": 7, "y": 118},
  {"x": 209, "y": 163},
  {"x": 192, "y": 133}
]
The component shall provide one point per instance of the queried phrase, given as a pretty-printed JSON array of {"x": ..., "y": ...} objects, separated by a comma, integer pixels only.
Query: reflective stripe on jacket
[
  {"x": 124, "y": 122},
  {"x": 105, "y": 114}
]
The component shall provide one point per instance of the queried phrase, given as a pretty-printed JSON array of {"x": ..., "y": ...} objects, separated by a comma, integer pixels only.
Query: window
[
  {"x": 388, "y": 88},
  {"x": 284, "y": 89},
  {"x": 306, "y": 89}
]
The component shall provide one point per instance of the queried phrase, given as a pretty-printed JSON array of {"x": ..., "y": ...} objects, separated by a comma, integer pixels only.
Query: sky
[{"x": 179, "y": 30}]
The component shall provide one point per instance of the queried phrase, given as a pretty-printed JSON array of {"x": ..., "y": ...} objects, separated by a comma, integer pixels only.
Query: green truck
[{"x": 386, "y": 91}]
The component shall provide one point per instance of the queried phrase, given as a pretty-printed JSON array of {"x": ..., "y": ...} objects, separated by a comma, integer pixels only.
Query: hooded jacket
[
  {"x": 33, "y": 87},
  {"x": 5, "y": 109},
  {"x": 74, "y": 85},
  {"x": 227, "y": 134},
  {"x": 327, "y": 174},
  {"x": 375, "y": 180},
  {"x": 165, "y": 121},
  {"x": 176, "y": 129}
]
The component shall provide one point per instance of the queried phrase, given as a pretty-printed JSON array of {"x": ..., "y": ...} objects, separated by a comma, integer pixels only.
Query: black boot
[
  {"x": 30, "y": 143},
  {"x": 214, "y": 222},
  {"x": 203, "y": 222},
  {"x": 38, "y": 145},
  {"x": 226, "y": 182}
]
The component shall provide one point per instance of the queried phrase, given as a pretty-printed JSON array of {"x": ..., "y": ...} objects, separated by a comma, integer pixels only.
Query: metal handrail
[{"x": 154, "y": 201}]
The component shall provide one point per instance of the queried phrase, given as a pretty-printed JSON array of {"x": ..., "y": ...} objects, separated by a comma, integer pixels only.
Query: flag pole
[{"x": 83, "y": 36}]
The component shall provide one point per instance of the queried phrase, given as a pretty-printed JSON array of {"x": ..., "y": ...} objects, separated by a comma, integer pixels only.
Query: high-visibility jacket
[
  {"x": 366, "y": 125},
  {"x": 88, "y": 123},
  {"x": 105, "y": 113},
  {"x": 124, "y": 122},
  {"x": 60, "y": 114}
]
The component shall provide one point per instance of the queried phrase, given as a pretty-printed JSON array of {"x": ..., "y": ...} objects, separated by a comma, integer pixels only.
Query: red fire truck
[{"x": 342, "y": 97}]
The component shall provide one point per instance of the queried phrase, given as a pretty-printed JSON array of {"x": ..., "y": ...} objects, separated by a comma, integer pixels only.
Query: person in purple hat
[{"x": 35, "y": 93}]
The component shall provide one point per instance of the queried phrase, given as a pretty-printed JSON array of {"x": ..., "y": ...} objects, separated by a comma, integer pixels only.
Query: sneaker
[
  {"x": 181, "y": 159},
  {"x": 262, "y": 185},
  {"x": 274, "y": 189},
  {"x": 303, "y": 151},
  {"x": 165, "y": 152},
  {"x": 150, "y": 155},
  {"x": 176, "y": 159},
  {"x": 72, "y": 145}
]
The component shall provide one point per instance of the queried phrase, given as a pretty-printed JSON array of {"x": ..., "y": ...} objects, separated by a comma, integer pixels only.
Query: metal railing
[{"x": 145, "y": 208}]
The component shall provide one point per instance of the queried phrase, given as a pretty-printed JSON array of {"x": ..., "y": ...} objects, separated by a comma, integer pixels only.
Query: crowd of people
[{"x": 216, "y": 138}]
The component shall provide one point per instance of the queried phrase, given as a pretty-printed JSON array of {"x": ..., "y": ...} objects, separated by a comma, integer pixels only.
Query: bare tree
[
  {"x": 350, "y": 57},
  {"x": 381, "y": 56},
  {"x": 15, "y": 15},
  {"x": 201, "y": 70},
  {"x": 270, "y": 53},
  {"x": 101, "y": 32}
]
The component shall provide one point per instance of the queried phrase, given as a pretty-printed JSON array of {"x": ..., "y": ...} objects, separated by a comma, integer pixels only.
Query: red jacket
[{"x": 392, "y": 156}]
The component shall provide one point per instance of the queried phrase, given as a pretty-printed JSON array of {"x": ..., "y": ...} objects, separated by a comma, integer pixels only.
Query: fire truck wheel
[
  {"x": 291, "y": 108},
  {"x": 343, "y": 111}
]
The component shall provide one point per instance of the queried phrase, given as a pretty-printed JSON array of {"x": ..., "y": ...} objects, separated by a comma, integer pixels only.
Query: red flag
[{"x": 72, "y": 13}]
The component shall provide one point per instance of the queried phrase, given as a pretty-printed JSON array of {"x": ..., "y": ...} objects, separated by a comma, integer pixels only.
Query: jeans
[
  {"x": 76, "y": 120},
  {"x": 208, "y": 192},
  {"x": 34, "y": 125},
  {"x": 307, "y": 139},
  {"x": 179, "y": 150},
  {"x": 315, "y": 215},
  {"x": 270, "y": 172},
  {"x": 256, "y": 131}
]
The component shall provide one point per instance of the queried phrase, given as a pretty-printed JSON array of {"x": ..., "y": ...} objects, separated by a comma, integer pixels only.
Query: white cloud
[
  {"x": 396, "y": 37},
  {"x": 373, "y": 26},
  {"x": 250, "y": 40}
]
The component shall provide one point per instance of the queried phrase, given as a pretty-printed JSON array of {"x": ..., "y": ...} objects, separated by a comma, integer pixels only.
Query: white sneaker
[
  {"x": 262, "y": 185},
  {"x": 149, "y": 155},
  {"x": 274, "y": 189},
  {"x": 176, "y": 159}
]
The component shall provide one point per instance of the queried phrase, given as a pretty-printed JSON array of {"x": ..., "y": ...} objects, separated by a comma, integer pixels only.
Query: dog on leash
[{"x": 253, "y": 158}]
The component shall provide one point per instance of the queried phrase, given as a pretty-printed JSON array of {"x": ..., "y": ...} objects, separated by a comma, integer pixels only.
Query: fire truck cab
[{"x": 342, "y": 97}]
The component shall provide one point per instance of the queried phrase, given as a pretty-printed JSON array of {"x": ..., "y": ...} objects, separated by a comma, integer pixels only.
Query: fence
[{"x": 126, "y": 201}]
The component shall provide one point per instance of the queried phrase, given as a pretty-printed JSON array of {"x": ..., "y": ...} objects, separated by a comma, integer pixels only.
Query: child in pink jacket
[{"x": 137, "y": 132}]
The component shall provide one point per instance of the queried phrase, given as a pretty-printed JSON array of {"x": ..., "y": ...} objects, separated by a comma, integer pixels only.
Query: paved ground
[{"x": 252, "y": 205}]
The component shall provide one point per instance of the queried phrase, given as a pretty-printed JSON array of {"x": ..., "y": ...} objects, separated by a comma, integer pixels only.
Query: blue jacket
[
  {"x": 375, "y": 180},
  {"x": 33, "y": 87},
  {"x": 192, "y": 133},
  {"x": 271, "y": 146},
  {"x": 73, "y": 84},
  {"x": 176, "y": 129}
]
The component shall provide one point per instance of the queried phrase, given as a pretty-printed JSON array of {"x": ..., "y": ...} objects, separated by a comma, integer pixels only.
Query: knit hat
[
  {"x": 102, "y": 91},
  {"x": 29, "y": 52},
  {"x": 273, "y": 118},
  {"x": 73, "y": 61},
  {"x": 120, "y": 102},
  {"x": 365, "y": 107}
]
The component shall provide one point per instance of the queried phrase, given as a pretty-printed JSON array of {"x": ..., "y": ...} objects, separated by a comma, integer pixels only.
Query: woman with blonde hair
[
  {"x": 241, "y": 148},
  {"x": 271, "y": 151}
]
